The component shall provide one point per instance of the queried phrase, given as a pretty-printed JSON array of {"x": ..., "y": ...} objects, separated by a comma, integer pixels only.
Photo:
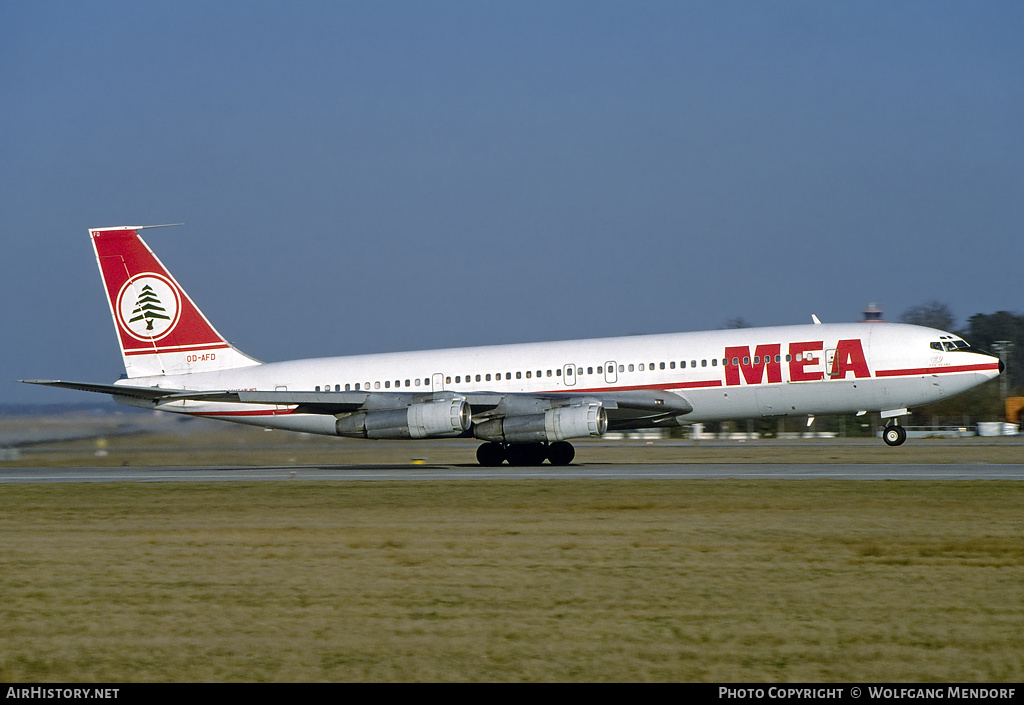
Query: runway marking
[{"x": 419, "y": 473}]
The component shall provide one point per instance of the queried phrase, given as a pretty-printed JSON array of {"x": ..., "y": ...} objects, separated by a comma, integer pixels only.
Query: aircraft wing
[{"x": 626, "y": 409}]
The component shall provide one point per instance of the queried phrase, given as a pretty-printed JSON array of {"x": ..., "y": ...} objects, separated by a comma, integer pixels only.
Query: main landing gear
[
  {"x": 494, "y": 454},
  {"x": 893, "y": 434}
]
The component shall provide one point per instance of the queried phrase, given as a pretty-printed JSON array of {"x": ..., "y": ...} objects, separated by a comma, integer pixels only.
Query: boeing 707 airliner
[{"x": 524, "y": 401}]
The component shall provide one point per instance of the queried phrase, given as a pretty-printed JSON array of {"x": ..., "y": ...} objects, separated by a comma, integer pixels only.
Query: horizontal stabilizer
[{"x": 122, "y": 390}]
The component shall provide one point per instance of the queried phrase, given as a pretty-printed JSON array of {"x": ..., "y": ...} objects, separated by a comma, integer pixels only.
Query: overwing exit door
[{"x": 611, "y": 375}]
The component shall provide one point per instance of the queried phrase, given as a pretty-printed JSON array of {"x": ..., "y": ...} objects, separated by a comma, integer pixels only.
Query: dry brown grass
[{"x": 508, "y": 581}]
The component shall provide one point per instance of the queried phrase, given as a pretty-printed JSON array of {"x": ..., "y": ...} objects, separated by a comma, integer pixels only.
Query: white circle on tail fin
[{"x": 148, "y": 306}]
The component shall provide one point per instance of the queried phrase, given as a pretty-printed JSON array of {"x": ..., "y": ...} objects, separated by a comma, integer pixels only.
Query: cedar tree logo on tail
[{"x": 148, "y": 306}]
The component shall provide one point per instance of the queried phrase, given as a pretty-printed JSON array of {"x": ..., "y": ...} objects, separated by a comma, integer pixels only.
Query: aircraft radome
[{"x": 525, "y": 401}]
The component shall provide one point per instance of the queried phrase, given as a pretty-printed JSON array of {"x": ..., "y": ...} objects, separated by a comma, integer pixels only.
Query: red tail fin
[{"x": 160, "y": 329}]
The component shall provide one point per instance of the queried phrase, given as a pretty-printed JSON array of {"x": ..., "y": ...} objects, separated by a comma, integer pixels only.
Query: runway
[{"x": 441, "y": 473}]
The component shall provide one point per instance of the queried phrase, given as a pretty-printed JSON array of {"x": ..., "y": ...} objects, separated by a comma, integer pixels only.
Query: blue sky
[{"x": 378, "y": 176}]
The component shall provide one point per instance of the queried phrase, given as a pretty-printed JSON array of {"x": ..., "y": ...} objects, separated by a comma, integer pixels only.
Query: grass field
[{"x": 511, "y": 581}]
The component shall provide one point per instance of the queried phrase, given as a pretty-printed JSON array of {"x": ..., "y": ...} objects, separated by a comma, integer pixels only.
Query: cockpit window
[{"x": 950, "y": 344}]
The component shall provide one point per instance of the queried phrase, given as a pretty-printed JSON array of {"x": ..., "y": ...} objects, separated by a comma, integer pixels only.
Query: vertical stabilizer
[{"x": 160, "y": 330}]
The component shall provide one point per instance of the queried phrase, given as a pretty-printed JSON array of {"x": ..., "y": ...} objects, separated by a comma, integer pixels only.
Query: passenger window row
[{"x": 538, "y": 374}]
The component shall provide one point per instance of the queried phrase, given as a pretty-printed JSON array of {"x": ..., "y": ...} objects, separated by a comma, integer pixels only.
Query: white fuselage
[{"x": 726, "y": 374}]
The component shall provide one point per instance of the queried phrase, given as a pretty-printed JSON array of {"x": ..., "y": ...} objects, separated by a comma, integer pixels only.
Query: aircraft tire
[
  {"x": 522, "y": 454},
  {"x": 561, "y": 453},
  {"x": 894, "y": 435},
  {"x": 490, "y": 455}
]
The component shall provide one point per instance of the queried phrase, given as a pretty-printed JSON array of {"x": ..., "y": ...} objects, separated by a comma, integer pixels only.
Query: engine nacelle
[
  {"x": 436, "y": 419},
  {"x": 585, "y": 421}
]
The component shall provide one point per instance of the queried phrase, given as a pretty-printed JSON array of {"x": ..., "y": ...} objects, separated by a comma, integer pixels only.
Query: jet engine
[
  {"x": 582, "y": 421},
  {"x": 447, "y": 417}
]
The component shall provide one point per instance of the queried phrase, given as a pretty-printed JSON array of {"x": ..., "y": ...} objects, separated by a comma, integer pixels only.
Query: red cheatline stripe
[
  {"x": 569, "y": 390},
  {"x": 937, "y": 370},
  {"x": 260, "y": 412},
  {"x": 175, "y": 348}
]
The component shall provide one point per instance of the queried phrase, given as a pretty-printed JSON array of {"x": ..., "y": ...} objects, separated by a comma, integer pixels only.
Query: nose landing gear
[{"x": 893, "y": 434}]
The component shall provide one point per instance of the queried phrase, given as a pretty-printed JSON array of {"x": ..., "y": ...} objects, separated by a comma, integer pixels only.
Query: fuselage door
[
  {"x": 610, "y": 374},
  {"x": 830, "y": 363},
  {"x": 569, "y": 375},
  {"x": 437, "y": 382}
]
